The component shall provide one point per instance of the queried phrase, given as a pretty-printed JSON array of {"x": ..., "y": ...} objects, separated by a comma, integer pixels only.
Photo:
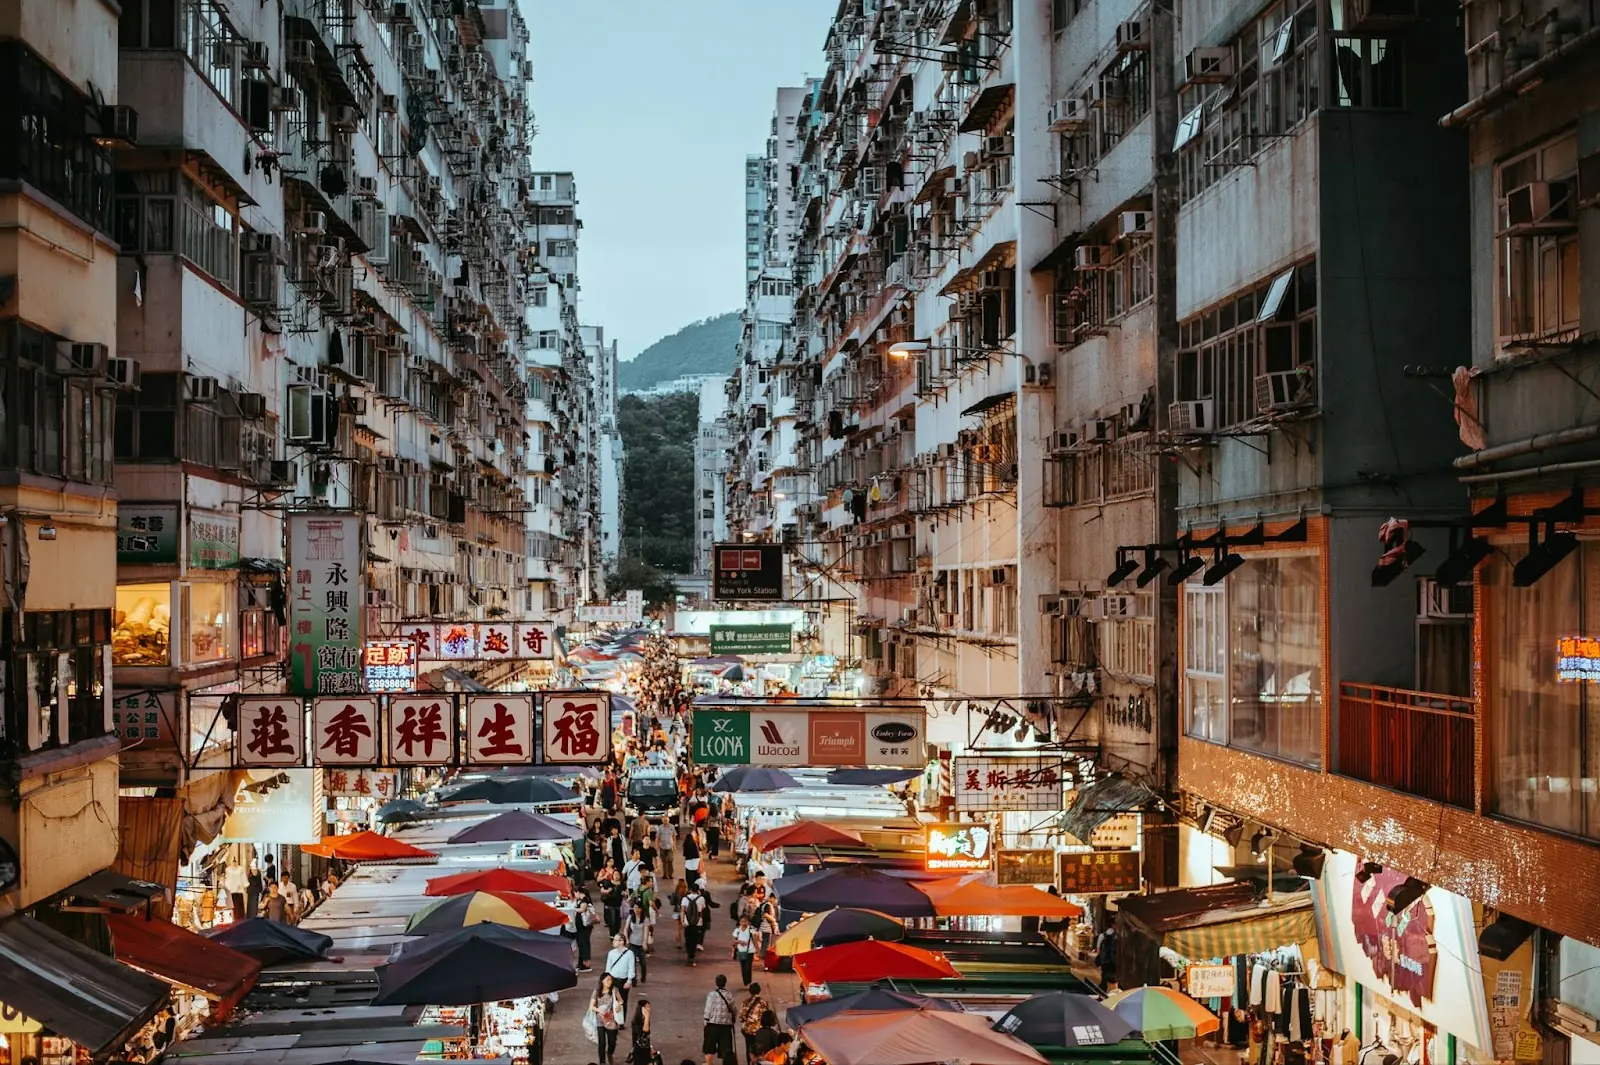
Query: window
[
  {"x": 1129, "y": 650},
  {"x": 1125, "y": 97},
  {"x": 1539, "y": 257},
  {"x": 1253, "y": 658},
  {"x": 1546, "y": 762},
  {"x": 1368, "y": 72},
  {"x": 62, "y": 655},
  {"x": 142, "y": 634},
  {"x": 540, "y": 296},
  {"x": 1086, "y": 301},
  {"x": 47, "y": 143},
  {"x": 51, "y": 424},
  {"x": 209, "y": 608}
]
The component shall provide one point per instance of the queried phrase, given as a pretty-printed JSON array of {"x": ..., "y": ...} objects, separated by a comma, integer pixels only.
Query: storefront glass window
[
  {"x": 142, "y": 633},
  {"x": 212, "y": 608},
  {"x": 1546, "y": 730},
  {"x": 1253, "y": 659}
]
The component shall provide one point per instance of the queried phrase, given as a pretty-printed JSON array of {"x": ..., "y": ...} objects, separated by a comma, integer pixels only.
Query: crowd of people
[{"x": 257, "y": 889}]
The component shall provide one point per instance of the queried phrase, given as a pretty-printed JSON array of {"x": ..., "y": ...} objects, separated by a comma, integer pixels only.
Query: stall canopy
[
  {"x": 1095, "y": 804},
  {"x": 163, "y": 949},
  {"x": 1220, "y": 920},
  {"x": 71, "y": 990},
  {"x": 114, "y": 891}
]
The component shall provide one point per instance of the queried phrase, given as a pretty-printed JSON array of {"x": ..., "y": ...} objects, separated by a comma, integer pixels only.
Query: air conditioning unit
[
  {"x": 1050, "y": 605},
  {"x": 282, "y": 472},
  {"x": 971, "y": 161},
  {"x": 367, "y": 187},
  {"x": 1065, "y": 440},
  {"x": 1134, "y": 224},
  {"x": 1002, "y": 145},
  {"x": 1209, "y": 66},
  {"x": 253, "y": 55},
  {"x": 81, "y": 360},
  {"x": 301, "y": 52},
  {"x": 947, "y": 451},
  {"x": 1443, "y": 602},
  {"x": 199, "y": 389},
  {"x": 1072, "y": 606},
  {"x": 997, "y": 576},
  {"x": 355, "y": 405},
  {"x": 952, "y": 186},
  {"x": 1191, "y": 416},
  {"x": 313, "y": 223},
  {"x": 1100, "y": 430},
  {"x": 1116, "y": 607},
  {"x": 1133, "y": 36},
  {"x": 400, "y": 11},
  {"x": 124, "y": 373},
  {"x": 345, "y": 118},
  {"x": 119, "y": 123},
  {"x": 284, "y": 98},
  {"x": 265, "y": 244},
  {"x": 1541, "y": 207},
  {"x": 1091, "y": 257},
  {"x": 1283, "y": 390},
  {"x": 252, "y": 405},
  {"x": 388, "y": 103},
  {"x": 1068, "y": 115}
]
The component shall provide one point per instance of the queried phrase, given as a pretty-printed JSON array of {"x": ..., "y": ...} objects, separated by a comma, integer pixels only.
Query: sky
[{"x": 653, "y": 105}]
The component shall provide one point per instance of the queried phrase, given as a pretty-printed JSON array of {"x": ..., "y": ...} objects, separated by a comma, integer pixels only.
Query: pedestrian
[
  {"x": 291, "y": 898},
  {"x": 637, "y": 933},
  {"x": 680, "y": 891},
  {"x": 608, "y": 792},
  {"x": 609, "y": 1007},
  {"x": 750, "y": 1011},
  {"x": 1105, "y": 956},
  {"x": 666, "y": 847},
  {"x": 693, "y": 915},
  {"x": 745, "y": 941},
  {"x": 643, "y": 1053},
  {"x": 236, "y": 883},
  {"x": 275, "y": 907},
  {"x": 713, "y": 828},
  {"x": 639, "y": 830},
  {"x": 621, "y": 966},
  {"x": 610, "y": 881},
  {"x": 767, "y": 1038},
  {"x": 252, "y": 890},
  {"x": 633, "y": 870},
  {"x": 716, "y": 1041},
  {"x": 614, "y": 849},
  {"x": 329, "y": 883},
  {"x": 711, "y": 904},
  {"x": 691, "y": 852},
  {"x": 764, "y": 919}
]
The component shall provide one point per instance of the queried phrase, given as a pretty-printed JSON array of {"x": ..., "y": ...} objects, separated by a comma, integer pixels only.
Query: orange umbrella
[
  {"x": 872, "y": 959},
  {"x": 969, "y": 897},
  {"x": 367, "y": 847},
  {"x": 497, "y": 880},
  {"x": 804, "y": 834}
]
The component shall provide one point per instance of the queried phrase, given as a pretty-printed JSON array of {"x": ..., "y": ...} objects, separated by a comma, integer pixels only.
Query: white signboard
[
  {"x": 499, "y": 729},
  {"x": 577, "y": 727},
  {"x": 422, "y": 729},
  {"x": 1025, "y": 783},
  {"x": 1211, "y": 981},
  {"x": 345, "y": 730},
  {"x": 271, "y": 733},
  {"x": 605, "y": 613},
  {"x": 778, "y": 738}
]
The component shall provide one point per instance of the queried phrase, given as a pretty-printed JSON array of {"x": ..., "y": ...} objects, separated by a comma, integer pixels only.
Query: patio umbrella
[
  {"x": 270, "y": 942},
  {"x": 479, "y": 907},
  {"x": 735, "y": 672},
  {"x": 872, "y": 776},
  {"x": 754, "y": 778},
  {"x": 1057, "y": 1019},
  {"x": 518, "y": 825},
  {"x": 872, "y": 1000},
  {"x": 871, "y": 959},
  {"x": 510, "y": 790},
  {"x": 915, "y": 1037},
  {"x": 1158, "y": 1013},
  {"x": 368, "y": 847},
  {"x": 497, "y": 880},
  {"x": 805, "y": 834},
  {"x": 970, "y": 897},
  {"x": 855, "y": 886},
  {"x": 554, "y": 772},
  {"x": 399, "y": 810},
  {"x": 840, "y": 925},
  {"x": 479, "y": 963}
]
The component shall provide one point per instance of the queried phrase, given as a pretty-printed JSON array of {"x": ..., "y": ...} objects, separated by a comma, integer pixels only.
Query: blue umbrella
[{"x": 1057, "y": 1019}]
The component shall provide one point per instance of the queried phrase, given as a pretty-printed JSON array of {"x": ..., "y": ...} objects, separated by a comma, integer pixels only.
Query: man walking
[
  {"x": 693, "y": 914},
  {"x": 622, "y": 967},
  {"x": 717, "y": 1040},
  {"x": 666, "y": 847},
  {"x": 234, "y": 882}
]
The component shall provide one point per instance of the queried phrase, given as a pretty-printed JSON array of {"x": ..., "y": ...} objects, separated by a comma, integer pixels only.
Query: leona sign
[{"x": 779, "y": 734}]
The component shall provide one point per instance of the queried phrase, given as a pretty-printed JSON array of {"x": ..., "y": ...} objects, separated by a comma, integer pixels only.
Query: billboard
[
  {"x": 1098, "y": 872},
  {"x": 752, "y": 639},
  {"x": 499, "y": 729},
  {"x": 783, "y": 734},
  {"x": 576, "y": 727},
  {"x": 747, "y": 572},
  {"x": 345, "y": 731},
  {"x": 325, "y": 603},
  {"x": 959, "y": 847},
  {"x": 1007, "y": 783},
  {"x": 274, "y": 806},
  {"x": 475, "y": 641},
  {"x": 421, "y": 730}
]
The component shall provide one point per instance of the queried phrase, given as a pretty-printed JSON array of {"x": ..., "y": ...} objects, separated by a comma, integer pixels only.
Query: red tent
[
  {"x": 367, "y": 847},
  {"x": 869, "y": 960},
  {"x": 805, "y": 834},
  {"x": 497, "y": 880},
  {"x": 164, "y": 949}
]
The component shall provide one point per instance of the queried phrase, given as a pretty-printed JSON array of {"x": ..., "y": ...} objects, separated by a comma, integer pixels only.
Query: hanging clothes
[
  {"x": 1237, "y": 1032},
  {"x": 1272, "y": 992},
  {"x": 1258, "y": 978},
  {"x": 1241, "y": 979}
]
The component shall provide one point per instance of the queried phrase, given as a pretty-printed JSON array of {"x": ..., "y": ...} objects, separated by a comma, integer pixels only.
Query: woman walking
[
  {"x": 643, "y": 1053},
  {"x": 745, "y": 940},
  {"x": 606, "y": 1004}
]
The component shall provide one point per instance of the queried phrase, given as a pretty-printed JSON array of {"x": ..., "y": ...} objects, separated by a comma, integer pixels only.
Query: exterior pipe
[
  {"x": 1521, "y": 79},
  {"x": 1542, "y": 442},
  {"x": 1534, "y": 471}
]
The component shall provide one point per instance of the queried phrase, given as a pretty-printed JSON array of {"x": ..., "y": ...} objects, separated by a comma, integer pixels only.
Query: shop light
[
  {"x": 1501, "y": 938},
  {"x": 1154, "y": 564},
  {"x": 1223, "y": 562},
  {"x": 1459, "y": 564},
  {"x": 1188, "y": 565},
  {"x": 1543, "y": 556},
  {"x": 1125, "y": 569},
  {"x": 1234, "y": 835},
  {"x": 1261, "y": 841},
  {"x": 1401, "y": 898},
  {"x": 1308, "y": 863},
  {"x": 1367, "y": 871}
]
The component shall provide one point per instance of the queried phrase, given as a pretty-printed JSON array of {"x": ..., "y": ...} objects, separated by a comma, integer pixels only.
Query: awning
[
  {"x": 1097, "y": 803},
  {"x": 1061, "y": 255},
  {"x": 115, "y": 891},
  {"x": 89, "y": 998},
  {"x": 989, "y": 102},
  {"x": 1220, "y": 920},
  {"x": 164, "y": 949},
  {"x": 956, "y": 28},
  {"x": 934, "y": 185},
  {"x": 988, "y": 403},
  {"x": 1001, "y": 254}
]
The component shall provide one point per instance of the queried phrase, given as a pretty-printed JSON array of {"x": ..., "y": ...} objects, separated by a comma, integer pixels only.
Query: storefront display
[
  {"x": 142, "y": 626},
  {"x": 210, "y": 608}
]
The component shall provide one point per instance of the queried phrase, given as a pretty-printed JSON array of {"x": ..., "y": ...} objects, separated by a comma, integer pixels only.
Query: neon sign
[
  {"x": 959, "y": 847},
  {"x": 1578, "y": 660}
]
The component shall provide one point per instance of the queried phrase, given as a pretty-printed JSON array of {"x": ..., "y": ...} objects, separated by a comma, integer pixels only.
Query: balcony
[{"x": 1415, "y": 742}]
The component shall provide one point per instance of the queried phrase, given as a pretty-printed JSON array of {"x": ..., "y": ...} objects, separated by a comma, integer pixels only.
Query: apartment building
[
  {"x": 712, "y": 445},
  {"x": 601, "y": 355}
]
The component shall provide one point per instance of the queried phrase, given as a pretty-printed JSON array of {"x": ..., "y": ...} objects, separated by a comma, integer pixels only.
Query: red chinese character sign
[
  {"x": 535, "y": 639},
  {"x": 1021, "y": 783},
  {"x": 497, "y": 640},
  {"x": 345, "y": 731},
  {"x": 499, "y": 729},
  {"x": 422, "y": 730},
  {"x": 271, "y": 733},
  {"x": 577, "y": 727}
]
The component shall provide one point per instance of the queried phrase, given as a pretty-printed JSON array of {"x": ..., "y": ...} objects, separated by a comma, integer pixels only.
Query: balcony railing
[{"x": 1415, "y": 742}]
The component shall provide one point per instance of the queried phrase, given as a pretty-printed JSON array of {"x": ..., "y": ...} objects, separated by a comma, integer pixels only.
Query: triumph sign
[{"x": 782, "y": 734}]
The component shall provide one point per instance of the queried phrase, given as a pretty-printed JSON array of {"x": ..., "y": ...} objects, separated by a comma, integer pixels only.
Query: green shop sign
[
  {"x": 213, "y": 540},
  {"x": 147, "y": 535},
  {"x": 751, "y": 639},
  {"x": 721, "y": 737}
]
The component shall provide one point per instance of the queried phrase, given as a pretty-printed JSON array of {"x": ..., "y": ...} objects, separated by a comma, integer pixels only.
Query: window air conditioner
[
  {"x": 1068, "y": 115},
  {"x": 253, "y": 55},
  {"x": 1133, "y": 36},
  {"x": 199, "y": 389},
  {"x": 1100, "y": 430},
  {"x": 1050, "y": 605},
  {"x": 301, "y": 52},
  {"x": 313, "y": 223},
  {"x": 1191, "y": 416},
  {"x": 1540, "y": 207},
  {"x": 1209, "y": 66},
  {"x": 1002, "y": 145},
  {"x": 119, "y": 124},
  {"x": 252, "y": 405},
  {"x": 81, "y": 360},
  {"x": 1134, "y": 224},
  {"x": 971, "y": 161},
  {"x": 1066, "y": 440},
  {"x": 1283, "y": 390},
  {"x": 285, "y": 98},
  {"x": 344, "y": 118},
  {"x": 1116, "y": 607},
  {"x": 124, "y": 373},
  {"x": 1090, "y": 257}
]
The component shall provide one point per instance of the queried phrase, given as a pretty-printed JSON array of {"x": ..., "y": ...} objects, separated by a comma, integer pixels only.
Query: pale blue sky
[{"x": 653, "y": 104}]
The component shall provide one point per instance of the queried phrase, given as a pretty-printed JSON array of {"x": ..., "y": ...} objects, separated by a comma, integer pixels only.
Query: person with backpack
[
  {"x": 695, "y": 915},
  {"x": 750, "y": 1013}
]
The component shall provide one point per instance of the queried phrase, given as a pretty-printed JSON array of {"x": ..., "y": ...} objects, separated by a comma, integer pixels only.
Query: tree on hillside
[
  {"x": 658, "y": 435},
  {"x": 633, "y": 572},
  {"x": 706, "y": 346}
]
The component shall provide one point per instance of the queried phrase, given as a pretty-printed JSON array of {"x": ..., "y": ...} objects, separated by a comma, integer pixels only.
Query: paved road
[{"x": 676, "y": 992}]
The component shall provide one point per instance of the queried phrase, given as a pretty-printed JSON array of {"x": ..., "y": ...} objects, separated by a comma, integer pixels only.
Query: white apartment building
[
  {"x": 711, "y": 472},
  {"x": 601, "y": 357}
]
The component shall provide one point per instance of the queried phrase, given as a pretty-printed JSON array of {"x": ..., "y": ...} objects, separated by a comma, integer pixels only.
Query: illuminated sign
[
  {"x": 14, "y": 1020},
  {"x": 959, "y": 847},
  {"x": 1578, "y": 660},
  {"x": 390, "y": 665},
  {"x": 1098, "y": 872}
]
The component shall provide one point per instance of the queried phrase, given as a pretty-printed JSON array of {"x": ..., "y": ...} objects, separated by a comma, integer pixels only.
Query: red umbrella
[
  {"x": 872, "y": 959},
  {"x": 366, "y": 847},
  {"x": 805, "y": 834},
  {"x": 497, "y": 880}
]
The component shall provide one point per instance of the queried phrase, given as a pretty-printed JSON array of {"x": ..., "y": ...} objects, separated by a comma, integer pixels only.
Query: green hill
[{"x": 701, "y": 347}]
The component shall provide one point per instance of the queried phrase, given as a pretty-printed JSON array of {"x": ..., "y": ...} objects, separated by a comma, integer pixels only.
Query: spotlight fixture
[
  {"x": 1207, "y": 817},
  {"x": 1401, "y": 898},
  {"x": 1399, "y": 551},
  {"x": 1234, "y": 834},
  {"x": 1154, "y": 564},
  {"x": 1543, "y": 556},
  {"x": 1308, "y": 863},
  {"x": 1188, "y": 565},
  {"x": 1223, "y": 562},
  {"x": 1262, "y": 840},
  {"x": 1462, "y": 560},
  {"x": 1125, "y": 569},
  {"x": 1367, "y": 871},
  {"x": 1501, "y": 937}
]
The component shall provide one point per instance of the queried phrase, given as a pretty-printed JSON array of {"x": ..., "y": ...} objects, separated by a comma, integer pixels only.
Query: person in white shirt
[
  {"x": 235, "y": 883},
  {"x": 621, "y": 966},
  {"x": 633, "y": 870}
]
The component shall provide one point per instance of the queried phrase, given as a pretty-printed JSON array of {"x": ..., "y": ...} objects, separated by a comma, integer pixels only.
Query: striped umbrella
[
  {"x": 480, "y": 907},
  {"x": 1158, "y": 1013}
]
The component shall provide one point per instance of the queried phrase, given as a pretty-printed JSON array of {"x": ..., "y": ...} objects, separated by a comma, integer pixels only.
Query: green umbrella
[{"x": 1158, "y": 1013}]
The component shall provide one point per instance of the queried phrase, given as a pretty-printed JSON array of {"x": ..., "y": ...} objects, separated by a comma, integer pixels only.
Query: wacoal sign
[{"x": 778, "y": 739}]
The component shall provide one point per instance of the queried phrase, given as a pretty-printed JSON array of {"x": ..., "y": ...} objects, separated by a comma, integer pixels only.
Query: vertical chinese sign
[
  {"x": 271, "y": 733},
  {"x": 499, "y": 729},
  {"x": 345, "y": 730},
  {"x": 577, "y": 727},
  {"x": 422, "y": 730},
  {"x": 325, "y": 603}
]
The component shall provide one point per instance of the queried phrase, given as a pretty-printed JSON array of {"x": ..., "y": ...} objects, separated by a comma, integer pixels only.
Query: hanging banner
[
  {"x": 986, "y": 784},
  {"x": 422, "y": 730},
  {"x": 213, "y": 540},
  {"x": 271, "y": 733},
  {"x": 751, "y": 639},
  {"x": 345, "y": 730},
  {"x": 747, "y": 572},
  {"x": 325, "y": 603},
  {"x": 499, "y": 729},
  {"x": 781, "y": 734},
  {"x": 361, "y": 784},
  {"x": 577, "y": 727}
]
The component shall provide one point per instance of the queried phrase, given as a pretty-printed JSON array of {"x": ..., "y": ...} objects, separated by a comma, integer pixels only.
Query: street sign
[
  {"x": 1025, "y": 783},
  {"x": 147, "y": 534},
  {"x": 1098, "y": 873},
  {"x": 752, "y": 639},
  {"x": 747, "y": 572}
]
